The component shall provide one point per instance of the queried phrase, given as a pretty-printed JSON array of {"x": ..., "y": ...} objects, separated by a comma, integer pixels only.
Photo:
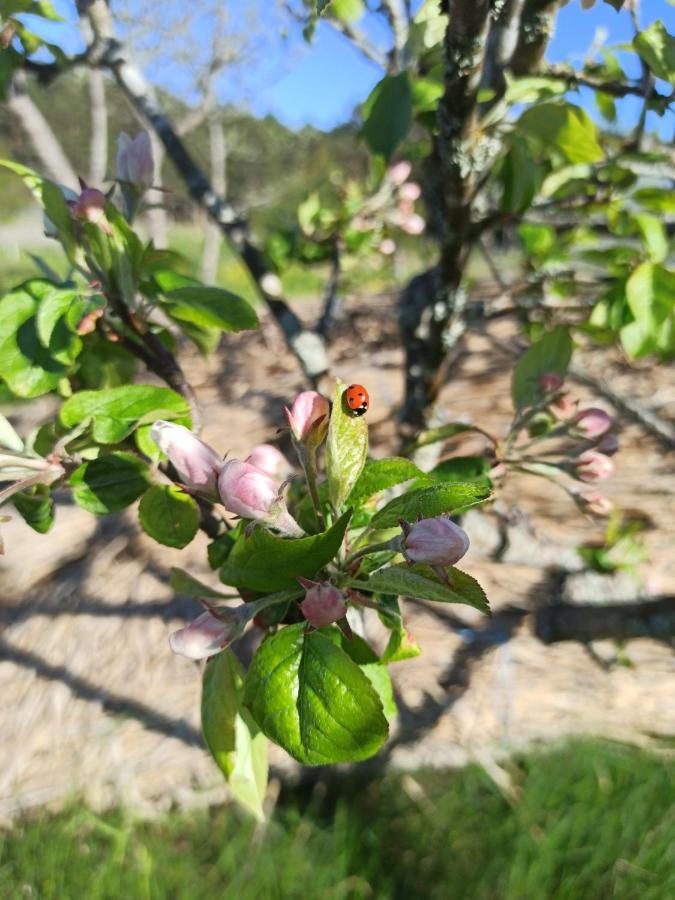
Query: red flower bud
[
  {"x": 592, "y": 423},
  {"x": 209, "y": 633},
  {"x": 435, "y": 542},
  {"x": 323, "y": 603},
  {"x": 593, "y": 466}
]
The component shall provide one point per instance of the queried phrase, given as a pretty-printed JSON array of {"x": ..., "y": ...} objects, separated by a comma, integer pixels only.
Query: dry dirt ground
[{"x": 93, "y": 703}]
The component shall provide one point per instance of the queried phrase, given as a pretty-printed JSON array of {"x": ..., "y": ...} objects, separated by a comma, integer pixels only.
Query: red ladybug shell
[{"x": 357, "y": 399}]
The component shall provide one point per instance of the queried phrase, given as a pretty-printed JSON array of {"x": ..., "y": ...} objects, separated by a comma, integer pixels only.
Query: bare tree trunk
[
  {"x": 98, "y": 148},
  {"x": 218, "y": 148},
  {"x": 39, "y": 132},
  {"x": 156, "y": 216}
]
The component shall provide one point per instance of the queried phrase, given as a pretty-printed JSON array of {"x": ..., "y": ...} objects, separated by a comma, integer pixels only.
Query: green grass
[{"x": 594, "y": 821}]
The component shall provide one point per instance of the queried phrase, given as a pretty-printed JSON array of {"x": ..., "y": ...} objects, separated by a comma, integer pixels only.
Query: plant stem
[{"x": 391, "y": 544}]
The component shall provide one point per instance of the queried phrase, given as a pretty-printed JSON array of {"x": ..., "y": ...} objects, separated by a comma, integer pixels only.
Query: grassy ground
[{"x": 594, "y": 821}]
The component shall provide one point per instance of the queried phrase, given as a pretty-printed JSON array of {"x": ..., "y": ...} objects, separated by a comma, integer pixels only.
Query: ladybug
[{"x": 357, "y": 399}]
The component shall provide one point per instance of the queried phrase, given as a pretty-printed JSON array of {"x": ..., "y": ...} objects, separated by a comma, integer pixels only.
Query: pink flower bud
[
  {"x": 593, "y": 466},
  {"x": 87, "y": 323},
  {"x": 592, "y": 423},
  {"x": 608, "y": 444},
  {"x": 563, "y": 406},
  {"x": 435, "y": 542},
  {"x": 549, "y": 382},
  {"x": 308, "y": 417},
  {"x": 410, "y": 191},
  {"x": 209, "y": 633},
  {"x": 595, "y": 503},
  {"x": 246, "y": 490},
  {"x": 400, "y": 172},
  {"x": 413, "y": 224},
  {"x": 197, "y": 464},
  {"x": 90, "y": 206},
  {"x": 387, "y": 247},
  {"x": 323, "y": 603},
  {"x": 135, "y": 164},
  {"x": 269, "y": 460}
]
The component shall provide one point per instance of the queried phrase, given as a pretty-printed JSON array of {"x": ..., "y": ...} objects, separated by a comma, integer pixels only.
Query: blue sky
[{"x": 321, "y": 83}]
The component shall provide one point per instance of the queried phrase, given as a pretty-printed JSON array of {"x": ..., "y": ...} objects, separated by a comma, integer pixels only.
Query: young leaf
[
  {"x": 109, "y": 483},
  {"x": 436, "y": 500},
  {"x": 551, "y": 353},
  {"x": 36, "y": 507},
  {"x": 461, "y": 468},
  {"x": 116, "y": 412},
  {"x": 28, "y": 367},
  {"x": 209, "y": 307},
  {"x": 423, "y": 583},
  {"x": 657, "y": 48},
  {"x": 401, "y": 644},
  {"x": 235, "y": 741},
  {"x": 308, "y": 696},
  {"x": 169, "y": 515},
  {"x": 265, "y": 562},
  {"x": 346, "y": 448},
  {"x": 387, "y": 114},
  {"x": 380, "y": 474},
  {"x": 563, "y": 128}
]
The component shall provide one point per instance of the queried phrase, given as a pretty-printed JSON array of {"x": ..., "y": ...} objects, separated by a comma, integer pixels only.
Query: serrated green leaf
[
  {"x": 109, "y": 483},
  {"x": 103, "y": 365},
  {"x": 380, "y": 474},
  {"x": 208, "y": 307},
  {"x": 116, "y": 412},
  {"x": 27, "y": 367},
  {"x": 307, "y": 695},
  {"x": 461, "y": 468},
  {"x": 235, "y": 741},
  {"x": 423, "y": 583},
  {"x": 265, "y": 562},
  {"x": 435, "y": 500},
  {"x": 551, "y": 353},
  {"x": 387, "y": 114},
  {"x": 564, "y": 129},
  {"x": 346, "y": 448},
  {"x": 169, "y": 515},
  {"x": 36, "y": 507}
]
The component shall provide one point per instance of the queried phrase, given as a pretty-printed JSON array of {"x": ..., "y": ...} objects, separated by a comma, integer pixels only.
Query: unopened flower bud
[
  {"x": 323, "y": 603},
  {"x": 135, "y": 164},
  {"x": 250, "y": 493},
  {"x": 308, "y": 417},
  {"x": 197, "y": 464},
  {"x": 209, "y": 633},
  {"x": 269, "y": 460},
  {"x": 411, "y": 191},
  {"x": 413, "y": 224},
  {"x": 387, "y": 247},
  {"x": 549, "y": 382},
  {"x": 87, "y": 323},
  {"x": 595, "y": 503},
  {"x": 90, "y": 206},
  {"x": 400, "y": 172},
  {"x": 563, "y": 406},
  {"x": 608, "y": 444},
  {"x": 592, "y": 423},
  {"x": 593, "y": 466},
  {"x": 435, "y": 542}
]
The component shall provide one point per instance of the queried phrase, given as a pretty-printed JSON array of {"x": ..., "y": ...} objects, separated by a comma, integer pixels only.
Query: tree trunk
[
  {"x": 218, "y": 148},
  {"x": 98, "y": 148}
]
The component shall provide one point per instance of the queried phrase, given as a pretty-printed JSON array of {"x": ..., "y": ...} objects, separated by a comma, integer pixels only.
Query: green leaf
[
  {"x": 379, "y": 677},
  {"x": 654, "y": 236},
  {"x": 169, "y": 515},
  {"x": 26, "y": 365},
  {"x": 109, "y": 483},
  {"x": 346, "y": 448},
  {"x": 103, "y": 364},
  {"x": 551, "y": 353},
  {"x": 563, "y": 128},
  {"x": 426, "y": 92},
  {"x": 461, "y": 468},
  {"x": 657, "y": 48},
  {"x": 265, "y": 562},
  {"x": 387, "y": 114},
  {"x": 347, "y": 10},
  {"x": 650, "y": 292},
  {"x": 380, "y": 474},
  {"x": 442, "y": 433},
  {"x": 520, "y": 176},
  {"x": 116, "y": 412},
  {"x": 401, "y": 644},
  {"x": 209, "y": 307},
  {"x": 36, "y": 507},
  {"x": 308, "y": 696},
  {"x": 235, "y": 741},
  {"x": 184, "y": 583},
  {"x": 538, "y": 240},
  {"x": 423, "y": 583},
  {"x": 436, "y": 500},
  {"x": 57, "y": 310}
]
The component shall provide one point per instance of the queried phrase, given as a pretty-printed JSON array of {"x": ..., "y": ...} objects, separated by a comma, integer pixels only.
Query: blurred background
[{"x": 533, "y": 753}]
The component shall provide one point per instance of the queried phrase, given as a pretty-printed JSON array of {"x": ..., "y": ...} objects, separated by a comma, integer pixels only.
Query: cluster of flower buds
[{"x": 587, "y": 442}]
